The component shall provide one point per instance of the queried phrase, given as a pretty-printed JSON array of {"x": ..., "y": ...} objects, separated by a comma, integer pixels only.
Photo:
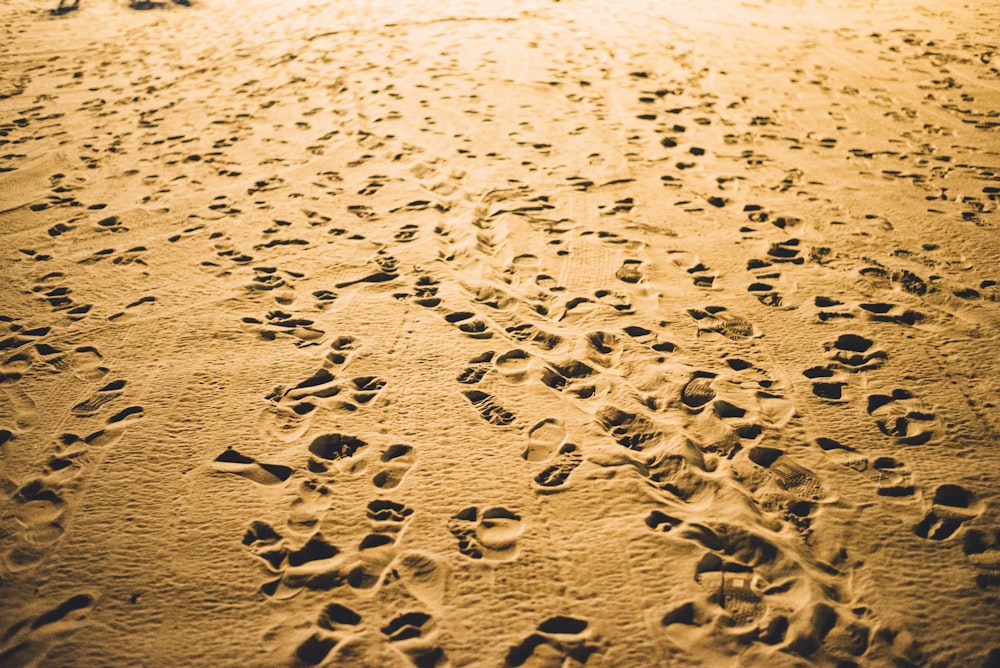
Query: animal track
[{"x": 491, "y": 534}]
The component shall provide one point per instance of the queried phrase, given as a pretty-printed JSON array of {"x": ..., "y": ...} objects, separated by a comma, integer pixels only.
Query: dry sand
[{"x": 500, "y": 333}]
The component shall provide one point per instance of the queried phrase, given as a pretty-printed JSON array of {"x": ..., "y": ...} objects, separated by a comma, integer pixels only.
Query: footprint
[
  {"x": 413, "y": 634},
  {"x": 27, "y": 642},
  {"x": 423, "y": 575},
  {"x": 478, "y": 367},
  {"x": 489, "y": 409},
  {"x": 53, "y": 357},
  {"x": 106, "y": 394},
  {"x": 30, "y": 525},
  {"x": 514, "y": 365},
  {"x": 544, "y": 439},
  {"x": 231, "y": 461},
  {"x": 469, "y": 324},
  {"x": 558, "y": 641},
  {"x": 286, "y": 422},
  {"x": 903, "y": 417},
  {"x": 953, "y": 505},
  {"x": 733, "y": 587},
  {"x": 827, "y": 383},
  {"x": 629, "y": 430},
  {"x": 115, "y": 428},
  {"x": 24, "y": 408},
  {"x": 982, "y": 549},
  {"x": 406, "y": 233},
  {"x": 337, "y": 624},
  {"x": 572, "y": 378},
  {"x": 491, "y": 534},
  {"x": 698, "y": 391},
  {"x": 331, "y": 448},
  {"x": 366, "y": 388},
  {"x": 554, "y": 476},
  {"x": 717, "y": 319},
  {"x": 661, "y": 522},
  {"x": 388, "y": 517},
  {"x": 701, "y": 275},
  {"x": 790, "y": 476},
  {"x": 266, "y": 544},
  {"x": 630, "y": 271},
  {"x": 341, "y": 350},
  {"x": 855, "y": 353},
  {"x": 396, "y": 461},
  {"x": 604, "y": 349},
  {"x": 320, "y": 385},
  {"x": 891, "y": 475}
]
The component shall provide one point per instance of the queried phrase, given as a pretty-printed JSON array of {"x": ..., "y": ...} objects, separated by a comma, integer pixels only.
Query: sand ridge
[{"x": 506, "y": 334}]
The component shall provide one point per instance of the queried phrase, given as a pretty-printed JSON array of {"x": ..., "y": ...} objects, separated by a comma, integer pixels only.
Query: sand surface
[{"x": 513, "y": 333}]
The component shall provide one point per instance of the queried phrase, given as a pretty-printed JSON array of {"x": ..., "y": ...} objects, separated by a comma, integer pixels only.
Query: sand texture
[{"x": 507, "y": 333}]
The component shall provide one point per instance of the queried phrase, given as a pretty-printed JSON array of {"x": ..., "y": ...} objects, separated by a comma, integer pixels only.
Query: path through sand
[{"x": 500, "y": 334}]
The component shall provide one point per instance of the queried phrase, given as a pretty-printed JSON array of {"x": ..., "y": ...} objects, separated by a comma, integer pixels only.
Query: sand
[{"x": 514, "y": 333}]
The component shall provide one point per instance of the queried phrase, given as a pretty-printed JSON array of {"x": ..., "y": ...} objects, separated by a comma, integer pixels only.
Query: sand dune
[{"x": 519, "y": 333}]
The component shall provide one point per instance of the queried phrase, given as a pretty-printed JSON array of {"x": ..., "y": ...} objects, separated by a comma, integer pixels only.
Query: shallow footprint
[
  {"x": 425, "y": 576},
  {"x": 396, "y": 462},
  {"x": 491, "y": 534},
  {"x": 286, "y": 423},
  {"x": 544, "y": 439},
  {"x": 106, "y": 394}
]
